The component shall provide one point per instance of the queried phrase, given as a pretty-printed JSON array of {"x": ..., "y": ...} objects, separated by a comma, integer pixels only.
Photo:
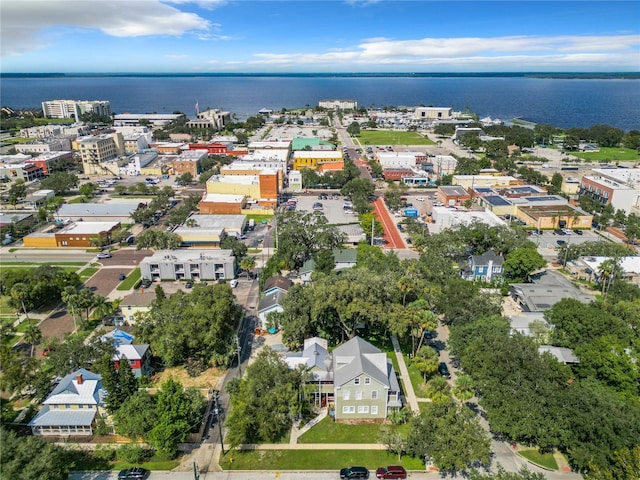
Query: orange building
[
  {"x": 220, "y": 203},
  {"x": 78, "y": 234}
]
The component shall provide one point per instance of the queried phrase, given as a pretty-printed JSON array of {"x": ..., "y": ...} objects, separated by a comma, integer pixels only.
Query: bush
[
  {"x": 102, "y": 428},
  {"x": 132, "y": 453},
  {"x": 106, "y": 454}
]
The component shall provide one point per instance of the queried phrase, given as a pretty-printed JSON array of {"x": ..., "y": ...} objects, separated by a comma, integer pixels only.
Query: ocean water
[{"x": 560, "y": 102}]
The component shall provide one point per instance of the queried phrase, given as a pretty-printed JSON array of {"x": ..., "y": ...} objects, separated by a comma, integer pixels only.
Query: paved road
[{"x": 391, "y": 234}]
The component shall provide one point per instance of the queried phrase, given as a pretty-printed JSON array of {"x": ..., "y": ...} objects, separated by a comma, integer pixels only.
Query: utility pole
[
  {"x": 239, "y": 357},
  {"x": 373, "y": 222},
  {"x": 216, "y": 410}
]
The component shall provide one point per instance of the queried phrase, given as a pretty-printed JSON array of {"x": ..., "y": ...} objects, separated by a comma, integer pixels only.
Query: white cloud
[
  {"x": 497, "y": 52},
  {"x": 25, "y": 21},
  {"x": 206, "y": 4}
]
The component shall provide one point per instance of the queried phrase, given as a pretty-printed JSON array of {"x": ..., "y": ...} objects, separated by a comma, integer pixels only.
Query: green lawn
[
  {"x": 79, "y": 200},
  {"x": 313, "y": 460},
  {"x": 545, "y": 460},
  {"x": 5, "y": 309},
  {"x": 87, "y": 273},
  {"x": 131, "y": 280},
  {"x": 85, "y": 461},
  {"x": 392, "y": 137},
  {"x": 16, "y": 140},
  {"x": 417, "y": 380},
  {"x": 613, "y": 154},
  {"x": 259, "y": 218},
  {"x": 24, "y": 325},
  {"x": 328, "y": 431}
]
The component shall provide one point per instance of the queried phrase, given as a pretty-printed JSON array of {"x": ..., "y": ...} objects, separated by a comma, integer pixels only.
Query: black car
[
  {"x": 145, "y": 283},
  {"x": 188, "y": 284},
  {"x": 354, "y": 472},
  {"x": 122, "y": 276},
  {"x": 135, "y": 473},
  {"x": 444, "y": 370},
  {"x": 578, "y": 232}
]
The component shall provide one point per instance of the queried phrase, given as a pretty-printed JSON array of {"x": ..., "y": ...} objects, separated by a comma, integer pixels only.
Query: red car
[{"x": 392, "y": 471}]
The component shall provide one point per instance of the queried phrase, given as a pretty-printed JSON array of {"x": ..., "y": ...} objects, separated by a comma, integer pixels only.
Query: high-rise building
[{"x": 75, "y": 108}]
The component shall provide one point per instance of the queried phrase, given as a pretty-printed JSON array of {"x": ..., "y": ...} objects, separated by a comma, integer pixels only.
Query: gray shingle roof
[
  {"x": 357, "y": 357},
  {"x": 271, "y": 301}
]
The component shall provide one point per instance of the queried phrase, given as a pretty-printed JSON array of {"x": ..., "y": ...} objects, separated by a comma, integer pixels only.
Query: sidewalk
[{"x": 409, "y": 394}]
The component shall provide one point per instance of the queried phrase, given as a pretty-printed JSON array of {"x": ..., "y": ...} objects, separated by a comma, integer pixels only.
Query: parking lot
[{"x": 332, "y": 208}]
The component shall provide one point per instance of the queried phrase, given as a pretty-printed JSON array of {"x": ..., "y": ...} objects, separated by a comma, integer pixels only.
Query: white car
[
  {"x": 233, "y": 283},
  {"x": 103, "y": 255},
  {"x": 420, "y": 199}
]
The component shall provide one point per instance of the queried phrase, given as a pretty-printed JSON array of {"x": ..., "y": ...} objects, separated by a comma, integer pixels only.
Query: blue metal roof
[
  {"x": 496, "y": 200},
  {"x": 49, "y": 417}
]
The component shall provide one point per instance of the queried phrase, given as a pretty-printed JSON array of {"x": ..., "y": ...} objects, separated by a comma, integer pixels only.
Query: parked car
[
  {"x": 392, "y": 471},
  {"x": 444, "y": 370},
  {"x": 233, "y": 283},
  {"x": 134, "y": 473},
  {"x": 578, "y": 232},
  {"x": 354, "y": 472},
  {"x": 122, "y": 276},
  {"x": 189, "y": 284},
  {"x": 567, "y": 231},
  {"x": 102, "y": 255},
  {"x": 400, "y": 227},
  {"x": 561, "y": 242},
  {"x": 145, "y": 283}
]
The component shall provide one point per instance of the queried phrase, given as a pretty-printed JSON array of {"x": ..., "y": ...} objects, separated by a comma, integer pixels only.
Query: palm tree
[
  {"x": 426, "y": 360},
  {"x": 20, "y": 292},
  {"x": 70, "y": 296},
  {"x": 464, "y": 388},
  {"x": 102, "y": 308},
  {"x": 32, "y": 335},
  {"x": 247, "y": 264},
  {"x": 609, "y": 269}
]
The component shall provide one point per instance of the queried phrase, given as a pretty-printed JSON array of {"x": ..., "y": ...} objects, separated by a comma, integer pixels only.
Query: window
[
  {"x": 348, "y": 409},
  {"x": 346, "y": 395},
  {"x": 356, "y": 381},
  {"x": 374, "y": 394},
  {"x": 363, "y": 409},
  {"x": 358, "y": 394},
  {"x": 374, "y": 409},
  {"x": 367, "y": 381}
]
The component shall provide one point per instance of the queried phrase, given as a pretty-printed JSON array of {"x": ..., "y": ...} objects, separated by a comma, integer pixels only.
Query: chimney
[{"x": 79, "y": 379}]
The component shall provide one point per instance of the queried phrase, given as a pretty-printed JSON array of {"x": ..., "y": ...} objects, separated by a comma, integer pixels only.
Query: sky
[{"x": 350, "y": 36}]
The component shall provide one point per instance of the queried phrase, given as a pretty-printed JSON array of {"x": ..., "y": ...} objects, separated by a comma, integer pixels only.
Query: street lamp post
[{"x": 239, "y": 357}]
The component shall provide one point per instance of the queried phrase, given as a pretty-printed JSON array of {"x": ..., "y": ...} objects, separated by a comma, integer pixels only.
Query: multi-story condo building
[
  {"x": 44, "y": 146},
  {"x": 75, "y": 108},
  {"x": 206, "y": 264},
  {"x": 98, "y": 149},
  {"x": 618, "y": 187}
]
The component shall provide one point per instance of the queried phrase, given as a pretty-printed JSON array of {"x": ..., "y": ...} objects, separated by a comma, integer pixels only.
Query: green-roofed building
[{"x": 314, "y": 143}]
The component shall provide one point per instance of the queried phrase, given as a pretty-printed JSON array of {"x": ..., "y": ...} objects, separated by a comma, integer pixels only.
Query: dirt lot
[{"x": 207, "y": 379}]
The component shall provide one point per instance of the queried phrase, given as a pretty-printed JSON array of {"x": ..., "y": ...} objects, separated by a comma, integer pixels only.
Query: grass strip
[
  {"x": 130, "y": 282},
  {"x": 313, "y": 460}
]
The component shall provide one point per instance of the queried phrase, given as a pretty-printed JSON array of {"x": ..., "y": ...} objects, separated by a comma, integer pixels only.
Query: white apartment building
[
  {"x": 397, "y": 159},
  {"x": 191, "y": 264},
  {"x": 75, "y": 108},
  {"x": 44, "y": 146},
  {"x": 338, "y": 104}
]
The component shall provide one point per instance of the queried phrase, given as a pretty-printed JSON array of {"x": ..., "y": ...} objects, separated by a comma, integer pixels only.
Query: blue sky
[{"x": 194, "y": 36}]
